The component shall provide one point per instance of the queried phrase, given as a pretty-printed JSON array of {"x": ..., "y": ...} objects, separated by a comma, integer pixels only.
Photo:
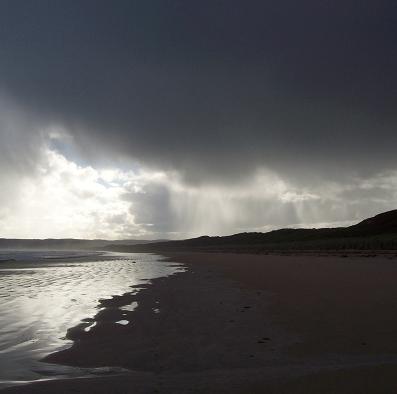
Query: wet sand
[{"x": 235, "y": 323}]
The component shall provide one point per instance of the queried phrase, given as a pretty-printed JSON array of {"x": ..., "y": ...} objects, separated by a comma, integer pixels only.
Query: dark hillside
[{"x": 378, "y": 232}]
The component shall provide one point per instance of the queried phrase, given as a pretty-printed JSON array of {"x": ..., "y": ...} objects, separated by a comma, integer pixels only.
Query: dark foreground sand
[{"x": 247, "y": 324}]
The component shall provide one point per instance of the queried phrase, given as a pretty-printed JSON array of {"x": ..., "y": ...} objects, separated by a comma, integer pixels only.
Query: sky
[{"x": 173, "y": 119}]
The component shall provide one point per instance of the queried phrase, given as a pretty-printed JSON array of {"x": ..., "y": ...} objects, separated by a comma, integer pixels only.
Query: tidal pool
[{"x": 42, "y": 296}]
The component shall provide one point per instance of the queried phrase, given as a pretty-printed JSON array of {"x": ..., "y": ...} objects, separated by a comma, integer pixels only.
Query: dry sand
[{"x": 236, "y": 323}]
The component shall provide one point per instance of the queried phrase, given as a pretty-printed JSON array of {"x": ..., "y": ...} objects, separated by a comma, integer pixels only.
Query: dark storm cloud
[{"x": 213, "y": 89}]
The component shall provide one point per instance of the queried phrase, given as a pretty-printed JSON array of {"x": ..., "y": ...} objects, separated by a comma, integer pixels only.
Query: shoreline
[{"x": 243, "y": 323}]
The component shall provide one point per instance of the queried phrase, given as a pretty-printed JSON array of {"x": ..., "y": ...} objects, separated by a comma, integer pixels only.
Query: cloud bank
[{"x": 258, "y": 115}]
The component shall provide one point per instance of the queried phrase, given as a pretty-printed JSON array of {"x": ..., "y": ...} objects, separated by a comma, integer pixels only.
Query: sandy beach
[
  {"x": 198, "y": 197},
  {"x": 236, "y": 323}
]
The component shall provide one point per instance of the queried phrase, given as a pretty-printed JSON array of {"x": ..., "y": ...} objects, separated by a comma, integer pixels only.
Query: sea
[{"x": 43, "y": 293}]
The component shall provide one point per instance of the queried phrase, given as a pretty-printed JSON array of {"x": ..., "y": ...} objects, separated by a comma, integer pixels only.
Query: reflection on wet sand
[{"x": 41, "y": 300}]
